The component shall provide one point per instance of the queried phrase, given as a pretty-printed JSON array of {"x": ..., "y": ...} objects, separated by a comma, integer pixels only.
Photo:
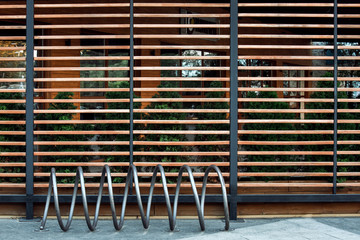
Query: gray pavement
[{"x": 250, "y": 229}]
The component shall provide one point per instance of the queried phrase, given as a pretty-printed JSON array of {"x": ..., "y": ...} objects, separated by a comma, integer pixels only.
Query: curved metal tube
[{"x": 133, "y": 175}]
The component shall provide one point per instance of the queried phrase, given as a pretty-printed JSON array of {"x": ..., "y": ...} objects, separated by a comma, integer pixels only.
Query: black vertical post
[
  {"x": 29, "y": 109},
  {"x": 131, "y": 74},
  {"x": 233, "y": 107},
  {"x": 335, "y": 95}
]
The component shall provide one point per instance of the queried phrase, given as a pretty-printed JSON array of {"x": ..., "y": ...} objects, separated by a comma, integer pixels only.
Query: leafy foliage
[
  {"x": 12, "y": 138},
  {"x": 118, "y": 127},
  {"x": 214, "y": 127},
  {"x": 268, "y": 137},
  {"x": 173, "y": 127},
  {"x": 329, "y": 137},
  {"x": 65, "y": 137}
]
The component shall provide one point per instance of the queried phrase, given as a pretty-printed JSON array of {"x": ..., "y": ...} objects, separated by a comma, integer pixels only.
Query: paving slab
[{"x": 250, "y": 229}]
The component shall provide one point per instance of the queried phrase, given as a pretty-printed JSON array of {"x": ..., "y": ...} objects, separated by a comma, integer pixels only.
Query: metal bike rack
[{"x": 133, "y": 175}]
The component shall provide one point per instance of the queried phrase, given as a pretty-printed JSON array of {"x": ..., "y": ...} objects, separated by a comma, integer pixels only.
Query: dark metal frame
[
  {"x": 234, "y": 198},
  {"x": 234, "y": 94},
  {"x": 335, "y": 96},
  {"x": 29, "y": 108}
]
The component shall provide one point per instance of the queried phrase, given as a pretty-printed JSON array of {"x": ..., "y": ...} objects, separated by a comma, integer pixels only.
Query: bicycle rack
[{"x": 133, "y": 175}]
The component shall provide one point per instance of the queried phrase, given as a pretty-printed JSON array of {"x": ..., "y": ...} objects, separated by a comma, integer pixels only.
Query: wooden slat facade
[{"x": 181, "y": 101}]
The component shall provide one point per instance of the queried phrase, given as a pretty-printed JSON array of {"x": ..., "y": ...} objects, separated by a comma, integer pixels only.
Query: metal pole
[
  {"x": 233, "y": 107},
  {"x": 131, "y": 75},
  {"x": 29, "y": 109},
  {"x": 335, "y": 96},
  {"x": 131, "y": 81}
]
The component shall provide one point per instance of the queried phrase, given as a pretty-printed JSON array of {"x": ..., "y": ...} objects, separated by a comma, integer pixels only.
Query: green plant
[
  {"x": 65, "y": 137},
  {"x": 173, "y": 127},
  {"x": 328, "y": 137},
  {"x": 268, "y": 137},
  {"x": 213, "y": 127},
  {"x": 11, "y": 138},
  {"x": 118, "y": 127}
]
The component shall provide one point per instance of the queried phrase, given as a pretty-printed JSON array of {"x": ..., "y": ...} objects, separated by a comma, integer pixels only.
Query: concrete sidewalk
[{"x": 251, "y": 229}]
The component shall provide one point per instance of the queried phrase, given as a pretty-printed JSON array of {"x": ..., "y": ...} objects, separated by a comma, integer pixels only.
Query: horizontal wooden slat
[
  {"x": 12, "y": 101},
  {"x": 285, "y": 164},
  {"x": 308, "y": 68},
  {"x": 12, "y": 59},
  {"x": 281, "y": 153},
  {"x": 122, "y": 185},
  {"x": 16, "y": 69},
  {"x": 12, "y": 48},
  {"x": 285, "y": 78},
  {"x": 181, "y": 25},
  {"x": 200, "y": 68},
  {"x": 82, "y": 15},
  {"x": 12, "y": 16},
  {"x": 81, "y": 90},
  {"x": 291, "y": 15},
  {"x": 100, "y": 79},
  {"x": 16, "y": 175},
  {"x": 300, "y": 47},
  {"x": 80, "y": 132},
  {"x": 12, "y": 143},
  {"x": 287, "y": 36},
  {"x": 177, "y": 36},
  {"x": 82, "y": 58},
  {"x": 113, "y": 153},
  {"x": 12, "y": 112},
  {"x": 81, "y": 153},
  {"x": 288, "y": 57},
  {"x": 180, "y": 132},
  {"x": 12, "y": 122},
  {"x": 286, "y": 185},
  {"x": 81, "y": 100},
  {"x": 214, "y": 47},
  {"x": 349, "y": 152},
  {"x": 282, "y": 174},
  {"x": 181, "y": 89},
  {"x": 12, "y": 27},
  {"x": 181, "y": 57},
  {"x": 126, "y": 164},
  {"x": 249, "y": 89},
  {"x": 286, "y": 132},
  {"x": 307, "y": 100},
  {"x": 66, "y": 69},
  {"x": 184, "y": 4},
  {"x": 79, "y": 26},
  {"x": 12, "y": 6},
  {"x": 221, "y": 79},
  {"x": 148, "y": 143},
  {"x": 12, "y": 133},
  {"x": 79, "y": 47},
  {"x": 266, "y": 25},
  {"x": 140, "y": 174},
  {"x": 286, "y": 110},
  {"x": 184, "y": 15},
  {"x": 81, "y": 121},
  {"x": 83, "y": 111},
  {"x": 292, "y": 121},
  {"x": 82, "y": 5},
  {"x": 181, "y": 110},
  {"x": 49, "y": 37},
  {"x": 182, "y": 121},
  {"x": 287, "y": 142},
  {"x": 181, "y": 100},
  {"x": 2, "y": 80},
  {"x": 263, "y": 4},
  {"x": 13, "y": 154}
]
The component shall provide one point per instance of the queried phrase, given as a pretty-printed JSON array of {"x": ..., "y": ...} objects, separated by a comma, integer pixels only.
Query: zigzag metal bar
[{"x": 132, "y": 175}]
